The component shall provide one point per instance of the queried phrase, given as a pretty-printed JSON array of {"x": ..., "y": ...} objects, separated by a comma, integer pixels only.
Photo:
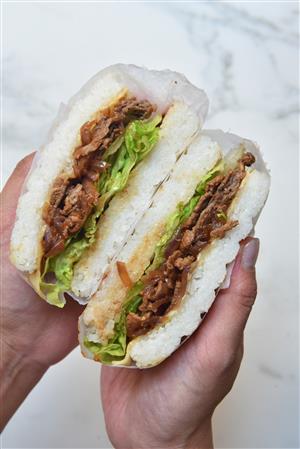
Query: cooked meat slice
[
  {"x": 159, "y": 305},
  {"x": 184, "y": 262},
  {"x": 187, "y": 239},
  {"x": 81, "y": 166},
  {"x": 66, "y": 221},
  {"x": 133, "y": 109},
  {"x": 105, "y": 127},
  {"x": 138, "y": 325},
  {"x": 213, "y": 185},
  {"x": 58, "y": 191},
  {"x": 200, "y": 206},
  {"x": 72, "y": 198},
  {"x": 180, "y": 288},
  {"x": 155, "y": 275},
  {"x": 90, "y": 166},
  {"x": 247, "y": 159},
  {"x": 219, "y": 232},
  {"x": 174, "y": 244},
  {"x": 90, "y": 191},
  {"x": 53, "y": 242},
  {"x": 96, "y": 167},
  {"x": 153, "y": 293},
  {"x": 86, "y": 132}
]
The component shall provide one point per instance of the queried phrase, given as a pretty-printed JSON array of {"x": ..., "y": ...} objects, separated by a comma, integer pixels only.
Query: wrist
[
  {"x": 19, "y": 375},
  {"x": 201, "y": 438}
]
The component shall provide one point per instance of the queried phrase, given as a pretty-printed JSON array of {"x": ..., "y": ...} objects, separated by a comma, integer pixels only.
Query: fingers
[{"x": 223, "y": 327}]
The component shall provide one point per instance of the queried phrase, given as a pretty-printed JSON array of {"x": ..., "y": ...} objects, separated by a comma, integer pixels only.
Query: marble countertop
[{"x": 245, "y": 56}]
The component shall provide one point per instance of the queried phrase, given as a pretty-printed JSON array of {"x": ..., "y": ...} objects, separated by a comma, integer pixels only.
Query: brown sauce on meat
[
  {"x": 73, "y": 199},
  {"x": 165, "y": 287}
]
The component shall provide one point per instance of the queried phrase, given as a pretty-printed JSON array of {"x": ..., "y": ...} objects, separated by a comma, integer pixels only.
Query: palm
[
  {"x": 45, "y": 333},
  {"x": 48, "y": 334}
]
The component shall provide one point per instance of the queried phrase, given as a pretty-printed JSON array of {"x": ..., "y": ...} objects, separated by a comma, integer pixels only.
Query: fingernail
[{"x": 250, "y": 253}]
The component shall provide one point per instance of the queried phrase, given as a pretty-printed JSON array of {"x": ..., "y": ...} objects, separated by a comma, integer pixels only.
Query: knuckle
[
  {"x": 224, "y": 364},
  {"x": 246, "y": 294},
  {"x": 229, "y": 360},
  {"x": 247, "y": 298}
]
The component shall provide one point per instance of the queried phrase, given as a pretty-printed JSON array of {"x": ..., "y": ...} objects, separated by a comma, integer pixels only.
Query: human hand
[
  {"x": 34, "y": 335},
  {"x": 171, "y": 405}
]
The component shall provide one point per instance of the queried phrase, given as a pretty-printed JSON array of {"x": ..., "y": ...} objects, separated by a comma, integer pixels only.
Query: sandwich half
[
  {"x": 107, "y": 154},
  {"x": 162, "y": 282}
]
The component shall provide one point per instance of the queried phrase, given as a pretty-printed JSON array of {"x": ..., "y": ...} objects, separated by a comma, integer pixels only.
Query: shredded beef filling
[
  {"x": 73, "y": 199},
  {"x": 165, "y": 287}
]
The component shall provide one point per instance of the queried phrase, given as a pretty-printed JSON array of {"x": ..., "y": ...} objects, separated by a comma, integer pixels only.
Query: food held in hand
[{"x": 132, "y": 207}]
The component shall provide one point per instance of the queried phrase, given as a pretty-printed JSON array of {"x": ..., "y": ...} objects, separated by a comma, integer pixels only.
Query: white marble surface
[{"x": 245, "y": 56}]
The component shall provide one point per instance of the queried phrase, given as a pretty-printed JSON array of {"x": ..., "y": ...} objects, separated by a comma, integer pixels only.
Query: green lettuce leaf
[
  {"x": 140, "y": 137},
  {"x": 219, "y": 168},
  {"x": 115, "y": 349},
  {"x": 123, "y": 155}
]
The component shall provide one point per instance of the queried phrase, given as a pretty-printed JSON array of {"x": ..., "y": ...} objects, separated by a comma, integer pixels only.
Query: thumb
[
  {"x": 226, "y": 320},
  {"x": 11, "y": 191},
  {"x": 240, "y": 296},
  {"x": 14, "y": 184}
]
